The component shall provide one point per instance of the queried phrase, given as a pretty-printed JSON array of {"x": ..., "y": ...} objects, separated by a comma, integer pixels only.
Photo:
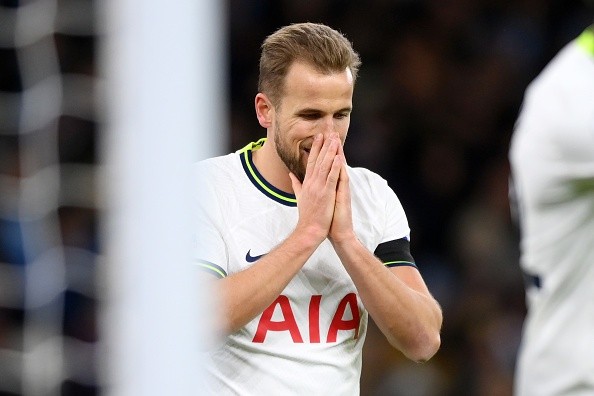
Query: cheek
[
  {"x": 290, "y": 130},
  {"x": 343, "y": 128},
  {"x": 297, "y": 133}
]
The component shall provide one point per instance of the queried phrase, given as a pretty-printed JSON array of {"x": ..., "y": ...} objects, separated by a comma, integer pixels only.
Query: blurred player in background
[
  {"x": 552, "y": 158},
  {"x": 304, "y": 245}
]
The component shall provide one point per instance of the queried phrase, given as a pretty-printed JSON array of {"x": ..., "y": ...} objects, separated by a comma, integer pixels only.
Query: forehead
[{"x": 304, "y": 83}]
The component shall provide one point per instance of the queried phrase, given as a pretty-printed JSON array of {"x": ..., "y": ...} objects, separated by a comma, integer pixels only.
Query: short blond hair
[{"x": 315, "y": 44}]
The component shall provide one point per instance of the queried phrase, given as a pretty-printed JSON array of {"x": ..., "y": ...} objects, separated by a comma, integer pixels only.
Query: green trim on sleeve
[
  {"x": 212, "y": 268},
  {"x": 400, "y": 264}
]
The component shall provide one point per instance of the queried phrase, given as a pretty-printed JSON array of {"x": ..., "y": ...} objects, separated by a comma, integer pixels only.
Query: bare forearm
[
  {"x": 247, "y": 293},
  {"x": 403, "y": 309}
]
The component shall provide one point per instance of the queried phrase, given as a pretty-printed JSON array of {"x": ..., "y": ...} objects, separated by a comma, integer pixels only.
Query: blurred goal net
[
  {"x": 48, "y": 206},
  {"x": 85, "y": 308}
]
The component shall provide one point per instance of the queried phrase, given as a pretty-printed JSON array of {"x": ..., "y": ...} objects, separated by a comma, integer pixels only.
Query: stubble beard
[{"x": 293, "y": 163}]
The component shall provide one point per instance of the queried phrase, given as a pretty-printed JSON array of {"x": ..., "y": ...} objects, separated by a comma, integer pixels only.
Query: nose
[{"x": 329, "y": 127}]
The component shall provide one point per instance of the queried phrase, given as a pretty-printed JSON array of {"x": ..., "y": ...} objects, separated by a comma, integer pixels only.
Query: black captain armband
[{"x": 395, "y": 253}]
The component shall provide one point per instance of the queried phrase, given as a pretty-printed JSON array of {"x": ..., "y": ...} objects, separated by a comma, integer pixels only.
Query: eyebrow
[{"x": 313, "y": 110}]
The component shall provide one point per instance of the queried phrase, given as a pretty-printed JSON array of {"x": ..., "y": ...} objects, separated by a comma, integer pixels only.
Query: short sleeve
[{"x": 210, "y": 253}]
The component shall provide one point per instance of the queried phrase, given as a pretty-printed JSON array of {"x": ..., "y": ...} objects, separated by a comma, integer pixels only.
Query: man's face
[{"x": 312, "y": 103}]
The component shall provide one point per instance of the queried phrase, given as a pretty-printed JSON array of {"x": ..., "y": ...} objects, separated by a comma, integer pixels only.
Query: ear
[{"x": 264, "y": 110}]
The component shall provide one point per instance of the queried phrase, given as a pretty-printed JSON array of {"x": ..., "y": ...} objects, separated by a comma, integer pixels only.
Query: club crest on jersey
[{"x": 338, "y": 323}]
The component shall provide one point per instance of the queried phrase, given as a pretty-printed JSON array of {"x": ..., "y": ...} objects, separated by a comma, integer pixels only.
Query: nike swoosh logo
[{"x": 250, "y": 259}]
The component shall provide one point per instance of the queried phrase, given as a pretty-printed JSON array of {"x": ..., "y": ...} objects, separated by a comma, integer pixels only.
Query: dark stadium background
[
  {"x": 435, "y": 103},
  {"x": 437, "y": 96}
]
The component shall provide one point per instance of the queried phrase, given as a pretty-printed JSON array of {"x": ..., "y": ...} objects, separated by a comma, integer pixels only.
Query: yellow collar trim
[{"x": 586, "y": 40}]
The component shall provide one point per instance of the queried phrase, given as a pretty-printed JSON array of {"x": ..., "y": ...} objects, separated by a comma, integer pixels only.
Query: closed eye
[{"x": 310, "y": 116}]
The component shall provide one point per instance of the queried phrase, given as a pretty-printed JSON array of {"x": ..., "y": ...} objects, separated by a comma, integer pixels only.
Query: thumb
[{"x": 296, "y": 184}]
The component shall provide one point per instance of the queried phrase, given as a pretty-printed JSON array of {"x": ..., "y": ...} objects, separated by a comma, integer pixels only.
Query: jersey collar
[
  {"x": 245, "y": 155},
  {"x": 586, "y": 40}
]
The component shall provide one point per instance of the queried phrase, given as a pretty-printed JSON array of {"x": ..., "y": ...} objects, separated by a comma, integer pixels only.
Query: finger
[
  {"x": 334, "y": 173},
  {"x": 343, "y": 179},
  {"x": 341, "y": 152},
  {"x": 314, "y": 152},
  {"x": 296, "y": 185},
  {"x": 327, "y": 156}
]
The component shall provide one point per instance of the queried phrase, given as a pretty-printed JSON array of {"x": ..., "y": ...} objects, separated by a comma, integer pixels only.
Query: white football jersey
[
  {"x": 309, "y": 340},
  {"x": 552, "y": 158}
]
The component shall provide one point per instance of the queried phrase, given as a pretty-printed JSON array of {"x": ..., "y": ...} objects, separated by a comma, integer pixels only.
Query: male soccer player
[
  {"x": 552, "y": 158},
  {"x": 304, "y": 245}
]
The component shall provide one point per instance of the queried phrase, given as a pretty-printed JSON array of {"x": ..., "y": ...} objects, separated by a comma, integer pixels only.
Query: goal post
[{"x": 162, "y": 66}]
